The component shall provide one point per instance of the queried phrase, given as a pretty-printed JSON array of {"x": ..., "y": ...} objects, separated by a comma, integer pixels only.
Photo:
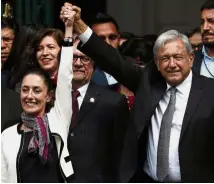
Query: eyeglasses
[
  {"x": 7, "y": 40},
  {"x": 84, "y": 59}
]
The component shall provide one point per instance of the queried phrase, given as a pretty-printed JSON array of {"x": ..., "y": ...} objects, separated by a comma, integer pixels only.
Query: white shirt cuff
[{"x": 84, "y": 37}]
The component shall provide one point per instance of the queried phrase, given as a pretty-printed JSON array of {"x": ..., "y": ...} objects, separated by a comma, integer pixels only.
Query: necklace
[{"x": 208, "y": 68}]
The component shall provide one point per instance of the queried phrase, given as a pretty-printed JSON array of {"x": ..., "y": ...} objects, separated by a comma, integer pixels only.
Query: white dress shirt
[
  {"x": 209, "y": 64},
  {"x": 111, "y": 80},
  {"x": 182, "y": 96},
  {"x": 82, "y": 91},
  {"x": 84, "y": 37}
]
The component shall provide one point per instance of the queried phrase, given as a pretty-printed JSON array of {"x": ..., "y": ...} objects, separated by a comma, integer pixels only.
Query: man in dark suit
[
  {"x": 10, "y": 108},
  {"x": 204, "y": 58},
  {"x": 97, "y": 132},
  {"x": 170, "y": 137}
]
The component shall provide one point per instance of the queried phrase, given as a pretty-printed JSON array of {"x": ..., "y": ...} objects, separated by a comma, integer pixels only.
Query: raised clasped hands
[{"x": 69, "y": 14}]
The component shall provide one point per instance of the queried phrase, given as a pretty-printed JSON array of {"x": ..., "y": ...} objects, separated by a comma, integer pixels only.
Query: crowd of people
[{"x": 94, "y": 104}]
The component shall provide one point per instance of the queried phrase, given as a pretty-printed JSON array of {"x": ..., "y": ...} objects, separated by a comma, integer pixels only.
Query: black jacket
[
  {"x": 196, "y": 145},
  {"x": 96, "y": 141},
  {"x": 11, "y": 108}
]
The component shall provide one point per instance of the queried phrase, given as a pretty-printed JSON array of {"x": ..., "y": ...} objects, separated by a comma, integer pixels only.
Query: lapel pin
[{"x": 92, "y": 100}]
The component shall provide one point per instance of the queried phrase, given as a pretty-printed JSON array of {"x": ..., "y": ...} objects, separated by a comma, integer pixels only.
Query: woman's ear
[{"x": 50, "y": 96}]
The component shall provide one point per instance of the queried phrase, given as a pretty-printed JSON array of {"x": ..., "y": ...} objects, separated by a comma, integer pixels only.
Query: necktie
[
  {"x": 75, "y": 107},
  {"x": 164, "y": 137}
]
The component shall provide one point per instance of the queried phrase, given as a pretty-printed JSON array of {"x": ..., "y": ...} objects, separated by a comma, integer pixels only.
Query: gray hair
[{"x": 170, "y": 36}]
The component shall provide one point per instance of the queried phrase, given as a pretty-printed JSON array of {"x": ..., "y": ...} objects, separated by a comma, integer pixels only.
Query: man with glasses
[
  {"x": 204, "y": 58},
  {"x": 8, "y": 31},
  {"x": 11, "y": 106},
  {"x": 97, "y": 127}
]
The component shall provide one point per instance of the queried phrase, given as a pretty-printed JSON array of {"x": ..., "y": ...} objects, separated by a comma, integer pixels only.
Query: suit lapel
[
  {"x": 194, "y": 98},
  {"x": 149, "y": 97},
  {"x": 158, "y": 91},
  {"x": 159, "y": 87},
  {"x": 89, "y": 102}
]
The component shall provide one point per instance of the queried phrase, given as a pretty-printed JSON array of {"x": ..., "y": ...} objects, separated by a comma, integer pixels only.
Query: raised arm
[
  {"x": 106, "y": 57},
  {"x": 62, "y": 110}
]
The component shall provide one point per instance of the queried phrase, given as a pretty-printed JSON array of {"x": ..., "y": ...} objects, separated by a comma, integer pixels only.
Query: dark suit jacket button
[{"x": 72, "y": 134}]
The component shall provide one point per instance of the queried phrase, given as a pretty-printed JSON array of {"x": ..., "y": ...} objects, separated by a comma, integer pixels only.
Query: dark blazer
[
  {"x": 96, "y": 141},
  {"x": 196, "y": 146},
  {"x": 10, "y": 108},
  {"x": 4, "y": 78},
  {"x": 197, "y": 62}
]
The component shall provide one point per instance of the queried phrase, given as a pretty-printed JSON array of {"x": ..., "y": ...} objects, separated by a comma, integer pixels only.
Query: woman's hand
[
  {"x": 67, "y": 15},
  {"x": 78, "y": 25}
]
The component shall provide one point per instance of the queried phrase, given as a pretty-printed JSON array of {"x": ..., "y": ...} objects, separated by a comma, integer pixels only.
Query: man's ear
[
  {"x": 156, "y": 62},
  {"x": 50, "y": 96},
  {"x": 191, "y": 59}
]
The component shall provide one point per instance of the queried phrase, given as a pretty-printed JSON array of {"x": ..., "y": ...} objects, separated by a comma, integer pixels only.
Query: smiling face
[
  {"x": 34, "y": 95},
  {"x": 47, "y": 54},
  {"x": 83, "y": 67},
  {"x": 174, "y": 62}
]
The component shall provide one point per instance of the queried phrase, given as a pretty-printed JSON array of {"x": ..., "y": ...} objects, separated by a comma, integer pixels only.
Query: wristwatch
[{"x": 67, "y": 41}]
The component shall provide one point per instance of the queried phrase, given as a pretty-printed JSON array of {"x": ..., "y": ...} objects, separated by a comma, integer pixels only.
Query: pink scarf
[{"x": 40, "y": 142}]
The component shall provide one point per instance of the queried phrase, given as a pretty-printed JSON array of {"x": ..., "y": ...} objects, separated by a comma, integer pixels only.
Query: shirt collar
[
  {"x": 204, "y": 52},
  {"x": 185, "y": 85},
  {"x": 83, "y": 89}
]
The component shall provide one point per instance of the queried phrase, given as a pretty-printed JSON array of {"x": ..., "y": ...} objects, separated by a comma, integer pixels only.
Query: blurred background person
[
  {"x": 139, "y": 50},
  {"x": 22, "y": 54},
  {"x": 204, "y": 58},
  {"x": 194, "y": 36},
  {"x": 9, "y": 29},
  {"x": 107, "y": 28},
  {"x": 124, "y": 36},
  {"x": 141, "y": 53},
  {"x": 150, "y": 39}
]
